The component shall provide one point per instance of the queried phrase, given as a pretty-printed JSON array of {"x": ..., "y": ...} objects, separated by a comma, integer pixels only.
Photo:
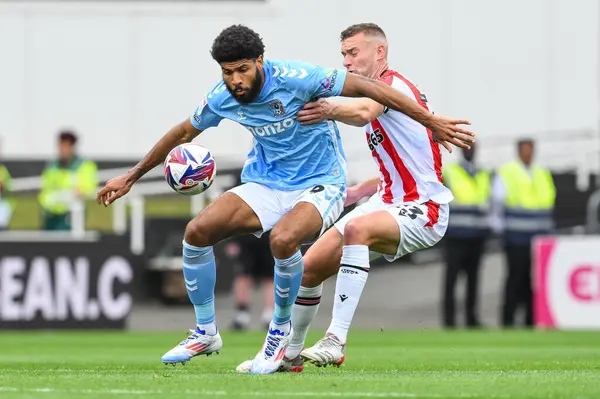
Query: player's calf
[
  {"x": 288, "y": 275},
  {"x": 321, "y": 261},
  {"x": 376, "y": 231},
  {"x": 303, "y": 312},
  {"x": 297, "y": 225}
]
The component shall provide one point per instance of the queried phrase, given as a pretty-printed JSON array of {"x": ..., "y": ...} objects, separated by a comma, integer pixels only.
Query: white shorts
[
  {"x": 271, "y": 205},
  {"x": 421, "y": 225}
]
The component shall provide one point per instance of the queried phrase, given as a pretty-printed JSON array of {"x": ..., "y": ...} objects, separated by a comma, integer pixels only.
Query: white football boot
[
  {"x": 327, "y": 351},
  {"x": 295, "y": 365},
  {"x": 270, "y": 357},
  {"x": 197, "y": 343}
]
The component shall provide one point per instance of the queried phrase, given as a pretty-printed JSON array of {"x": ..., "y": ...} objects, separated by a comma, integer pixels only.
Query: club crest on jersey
[{"x": 277, "y": 108}]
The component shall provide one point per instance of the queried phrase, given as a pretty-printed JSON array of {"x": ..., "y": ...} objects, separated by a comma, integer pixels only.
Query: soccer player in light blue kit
[{"x": 293, "y": 180}]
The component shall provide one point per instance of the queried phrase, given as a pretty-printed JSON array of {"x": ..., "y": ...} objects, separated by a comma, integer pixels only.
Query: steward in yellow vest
[
  {"x": 523, "y": 197},
  {"x": 469, "y": 210},
  {"x": 63, "y": 181},
  {"x": 465, "y": 238},
  {"x": 529, "y": 196}
]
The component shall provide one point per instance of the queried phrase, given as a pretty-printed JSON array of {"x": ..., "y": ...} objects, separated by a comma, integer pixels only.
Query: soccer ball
[{"x": 190, "y": 169}]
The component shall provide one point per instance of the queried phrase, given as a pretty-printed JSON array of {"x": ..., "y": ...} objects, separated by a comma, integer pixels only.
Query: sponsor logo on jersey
[
  {"x": 199, "y": 111},
  {"x": 272, "y": 129},
  {"x": 328, "y": 82}
]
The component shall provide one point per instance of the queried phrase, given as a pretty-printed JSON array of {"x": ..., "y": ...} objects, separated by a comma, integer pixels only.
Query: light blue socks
[
  {"x": 200, "y": 275},
  {"x": 288, "y": 276}
]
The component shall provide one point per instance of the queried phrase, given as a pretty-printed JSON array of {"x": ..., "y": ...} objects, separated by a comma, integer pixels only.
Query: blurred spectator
[
  {"x": 523, "y": 195},
  {"x": 254, "y": 265},
  {"x": 465, "y": 238},
  {"x": 6, "y": 203},
  {"x": 67, "y": 179}
]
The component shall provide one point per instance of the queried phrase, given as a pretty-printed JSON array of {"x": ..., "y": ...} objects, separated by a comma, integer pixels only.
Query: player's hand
[
  {"x": 115, "y": 188},
  {"x": 446, "y": 131},
  {"x": 353, "y": 195},
  {"x": 314, "y": 112}
]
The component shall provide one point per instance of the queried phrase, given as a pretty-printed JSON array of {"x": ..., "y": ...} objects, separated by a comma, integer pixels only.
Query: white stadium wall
[{"x": 122, "y": 73}]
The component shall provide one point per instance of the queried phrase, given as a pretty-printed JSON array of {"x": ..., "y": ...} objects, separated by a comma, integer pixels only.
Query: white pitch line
[{"x": 225, "y": 393}]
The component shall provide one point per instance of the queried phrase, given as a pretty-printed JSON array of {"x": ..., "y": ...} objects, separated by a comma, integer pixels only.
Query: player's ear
[
  {"x": 381, "y": 51},
  {"x": 259, "y": 62}
]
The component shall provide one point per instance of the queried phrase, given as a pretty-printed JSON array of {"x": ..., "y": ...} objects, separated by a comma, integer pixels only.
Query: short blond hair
[{"x": 368, "y": 28}]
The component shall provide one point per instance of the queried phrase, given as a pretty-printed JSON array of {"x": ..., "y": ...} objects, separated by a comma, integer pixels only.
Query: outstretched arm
[
  {"x": 444, "y": 129},
  {"x": 182, "y": 133},
  {"x": 119, "y": 186},
  {"x": 354, "y": 113},
  {"x": 203, "y": 118}
]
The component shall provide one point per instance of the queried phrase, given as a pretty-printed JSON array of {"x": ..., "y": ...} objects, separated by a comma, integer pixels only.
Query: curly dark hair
[{"x": 237, "y": 42}]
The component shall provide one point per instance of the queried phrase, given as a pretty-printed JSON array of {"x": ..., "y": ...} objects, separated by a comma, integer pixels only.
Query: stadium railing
[{"x": 134, "y": 200}]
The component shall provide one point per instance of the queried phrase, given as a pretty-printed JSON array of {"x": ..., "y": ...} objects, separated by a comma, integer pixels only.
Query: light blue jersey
[{"x": 286, "y": 155}]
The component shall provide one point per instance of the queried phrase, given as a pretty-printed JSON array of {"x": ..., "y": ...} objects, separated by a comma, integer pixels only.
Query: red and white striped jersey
[{"x": 409, "y": 161}]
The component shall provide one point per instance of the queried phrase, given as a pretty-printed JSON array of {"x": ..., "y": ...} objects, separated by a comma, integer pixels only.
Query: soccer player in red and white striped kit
[{"x": 407, "y": 210}]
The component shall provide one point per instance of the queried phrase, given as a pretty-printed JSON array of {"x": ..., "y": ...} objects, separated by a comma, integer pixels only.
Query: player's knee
[
  {"x": 197, "y": 234},
  {"x": 356, "y": 232},
  {"x": 311, "y": 278},
  {"x": 309, "y": 275},
  {"x": 316, "y": 271},
  {"x": 283, "y": 243}
]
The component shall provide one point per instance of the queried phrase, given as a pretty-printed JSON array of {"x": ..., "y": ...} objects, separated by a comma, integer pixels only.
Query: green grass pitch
[{"x": 424, "y": 364}]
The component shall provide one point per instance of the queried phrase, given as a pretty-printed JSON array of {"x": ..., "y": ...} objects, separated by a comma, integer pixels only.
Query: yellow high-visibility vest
[
  {"x": 469, "y": 209},
  {"x": 530, "y": 197},
  {"x": 468, "y": 190},
  {"x": 79, "y": 175},
  {"x": 526, "y": 190}
]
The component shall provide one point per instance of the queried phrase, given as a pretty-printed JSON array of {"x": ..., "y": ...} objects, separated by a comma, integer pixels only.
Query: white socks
[
  {"x": 304, "y": 311},
  {"x": 351, "y": 280}
]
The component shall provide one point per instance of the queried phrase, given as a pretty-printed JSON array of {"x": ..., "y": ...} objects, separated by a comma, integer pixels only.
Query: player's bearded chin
[{"x": 251, "y": 93}]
